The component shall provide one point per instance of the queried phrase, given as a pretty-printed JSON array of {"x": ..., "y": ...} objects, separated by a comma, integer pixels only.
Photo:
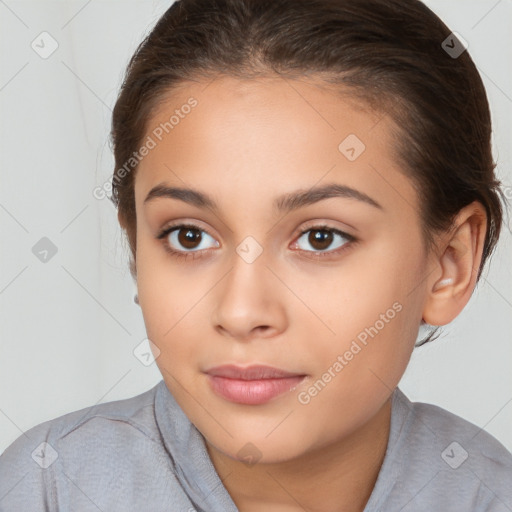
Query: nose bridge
[
  {"x": 247, "y": 278},
  {"x": 250, "y": 250},
  {"x": 247, "y": 300}
]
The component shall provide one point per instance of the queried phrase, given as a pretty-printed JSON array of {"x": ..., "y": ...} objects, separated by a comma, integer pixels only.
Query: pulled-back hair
[{"x": 387, "y": 53}]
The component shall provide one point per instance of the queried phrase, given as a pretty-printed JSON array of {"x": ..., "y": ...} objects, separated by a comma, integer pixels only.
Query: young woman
[{"x": 303, "y": 185}]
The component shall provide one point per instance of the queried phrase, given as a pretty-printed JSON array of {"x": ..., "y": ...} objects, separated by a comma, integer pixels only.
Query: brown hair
[{"x": 386, "y": 52}]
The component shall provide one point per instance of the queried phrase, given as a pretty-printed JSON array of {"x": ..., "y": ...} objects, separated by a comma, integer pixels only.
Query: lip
[
  {"x": 251, "y": 385},
  {"x": 253, "y": 372}
]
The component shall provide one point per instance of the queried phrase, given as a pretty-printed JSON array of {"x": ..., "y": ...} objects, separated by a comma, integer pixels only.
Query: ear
[{"x": 458, "y": 258}]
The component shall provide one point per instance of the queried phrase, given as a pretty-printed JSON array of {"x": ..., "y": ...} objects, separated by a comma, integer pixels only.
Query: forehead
[{"x": 264, "y": 137}]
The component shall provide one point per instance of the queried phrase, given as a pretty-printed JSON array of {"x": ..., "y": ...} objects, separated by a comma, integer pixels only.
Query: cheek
[
  {"x": 163, "y": 296},
  {"x": 375, "y": 310},
  {"x": 170, "y": 311},
  {"x": 175, "y": 306}
]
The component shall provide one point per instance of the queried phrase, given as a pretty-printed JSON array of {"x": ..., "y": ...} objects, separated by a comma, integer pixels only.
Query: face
[{"x": 326, "y": 287}]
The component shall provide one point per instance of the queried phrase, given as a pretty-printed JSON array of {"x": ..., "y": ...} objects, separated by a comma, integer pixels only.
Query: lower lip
[{"x": 252, "y": 392}]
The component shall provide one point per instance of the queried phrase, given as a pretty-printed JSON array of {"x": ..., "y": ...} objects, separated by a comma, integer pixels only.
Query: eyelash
[{"x": 351, "y": 240}]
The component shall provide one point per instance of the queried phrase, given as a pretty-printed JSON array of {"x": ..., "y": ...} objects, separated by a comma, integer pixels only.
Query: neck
[{"x": 343, "y": 474}]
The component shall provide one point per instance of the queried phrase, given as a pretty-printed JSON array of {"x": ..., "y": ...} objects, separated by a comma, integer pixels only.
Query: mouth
[{"x": 252, "y": 385}]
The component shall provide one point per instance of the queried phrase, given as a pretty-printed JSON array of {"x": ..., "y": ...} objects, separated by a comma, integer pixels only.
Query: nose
[{"x": 249, "y": 302}]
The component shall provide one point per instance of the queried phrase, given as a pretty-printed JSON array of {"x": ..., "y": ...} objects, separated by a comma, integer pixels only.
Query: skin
[{"x": 245, "y": 143}]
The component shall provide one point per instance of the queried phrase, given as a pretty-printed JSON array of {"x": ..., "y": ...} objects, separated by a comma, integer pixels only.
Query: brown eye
[
  {"x": 185, "y": 239},
  {"x": 188, "y": 237},
  {"x": 320, "y": 238}
]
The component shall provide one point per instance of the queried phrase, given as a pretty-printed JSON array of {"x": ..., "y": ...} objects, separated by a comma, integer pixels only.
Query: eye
[
  {"x": 187, "y": 236},
  {"x": 185, "y": 240},
  {"x": 322, "y": 237}
]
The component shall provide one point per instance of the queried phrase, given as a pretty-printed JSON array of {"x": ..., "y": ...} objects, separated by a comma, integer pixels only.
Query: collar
[
  {"x": 187, "y": 450},
  {"x": 194, "y": 469}
]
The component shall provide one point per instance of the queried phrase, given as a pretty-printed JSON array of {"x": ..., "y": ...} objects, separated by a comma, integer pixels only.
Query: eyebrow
[{"x": 284, "y": 203}]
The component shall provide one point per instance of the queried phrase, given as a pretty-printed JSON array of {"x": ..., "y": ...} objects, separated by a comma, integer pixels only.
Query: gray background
[{"x": 68, "y": 326}]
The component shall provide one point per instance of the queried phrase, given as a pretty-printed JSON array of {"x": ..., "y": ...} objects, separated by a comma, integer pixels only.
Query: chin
[{"x": 257, "y": 449}]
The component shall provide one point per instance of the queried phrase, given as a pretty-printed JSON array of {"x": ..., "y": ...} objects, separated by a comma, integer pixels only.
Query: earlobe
[{"x": 459, "y": 260}]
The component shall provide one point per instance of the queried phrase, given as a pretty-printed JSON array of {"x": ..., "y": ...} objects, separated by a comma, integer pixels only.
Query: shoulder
[
  {"x": 97, "y": 433},
  {"x": 465, "y": 438},
  {"x": 126, "y": 415},
  {"x": 447, "y": 456}
]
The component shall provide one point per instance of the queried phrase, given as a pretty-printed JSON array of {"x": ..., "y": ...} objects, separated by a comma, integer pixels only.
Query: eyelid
[
  {"x": 324, "y": 224},
  {"x": 318, "y": 224},
  {"x": 351, "y": 240},
  {"x": 182, "y": 224}
]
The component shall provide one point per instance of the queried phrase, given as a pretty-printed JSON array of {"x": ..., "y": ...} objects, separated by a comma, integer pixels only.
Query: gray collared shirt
[{"x": 143, "y": 454}]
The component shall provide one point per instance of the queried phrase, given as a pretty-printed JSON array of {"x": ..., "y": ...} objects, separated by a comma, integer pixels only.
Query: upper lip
[{"x": 254, "y": 372}]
